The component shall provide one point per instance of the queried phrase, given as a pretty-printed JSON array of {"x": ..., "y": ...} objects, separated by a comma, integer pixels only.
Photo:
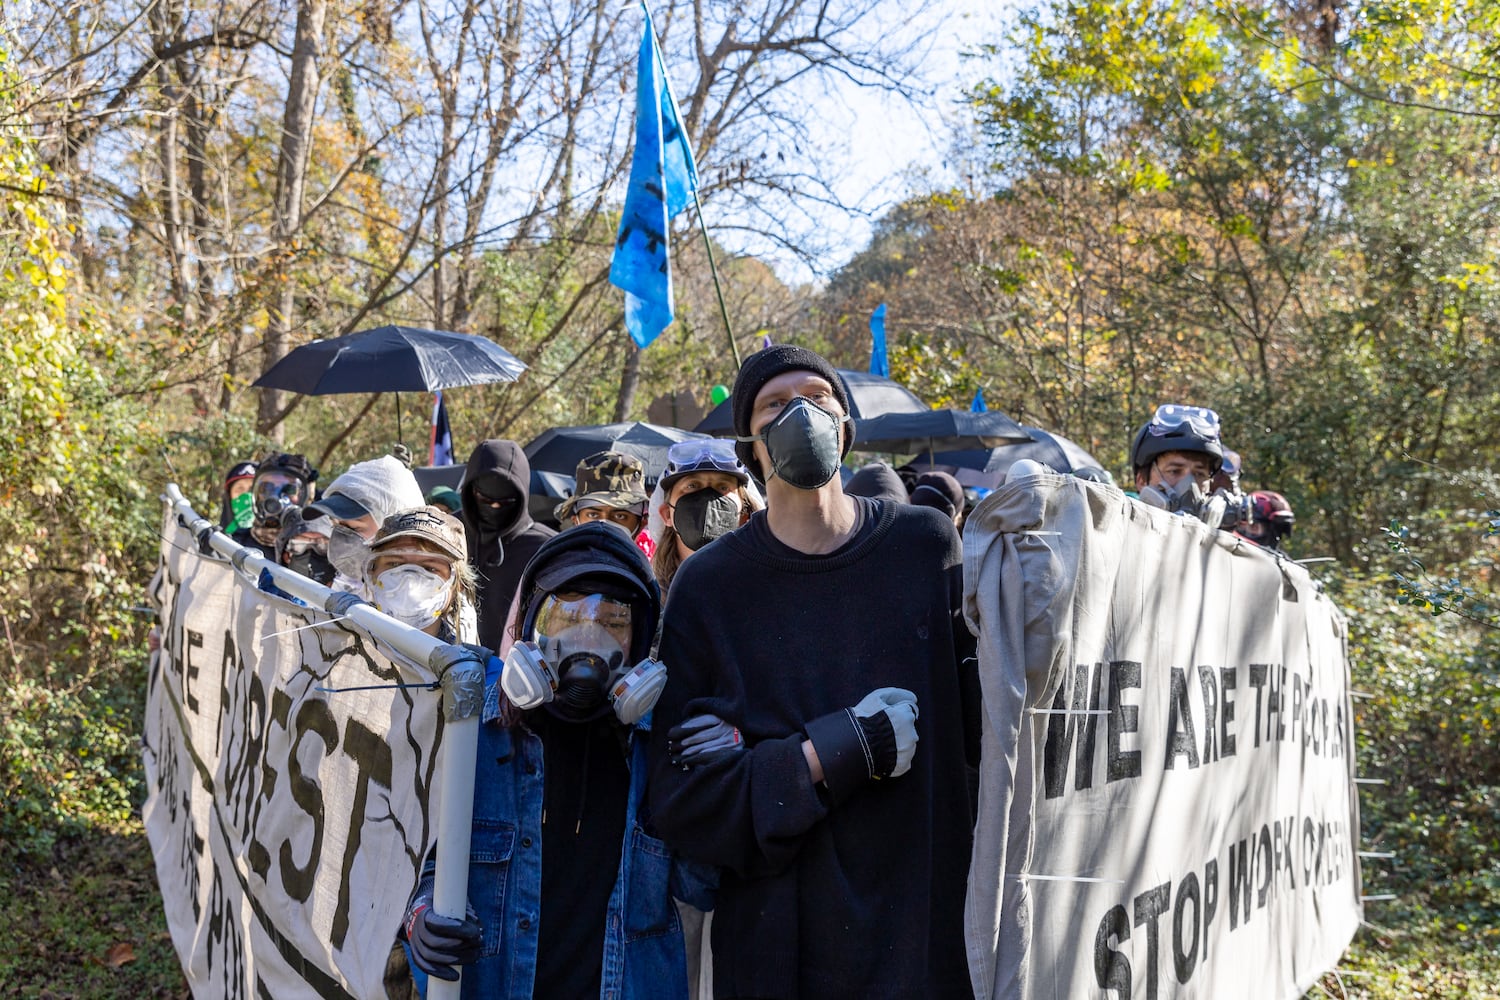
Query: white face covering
[
  {"x": 412, "y": 595},
  {"x": 347, "y": 550}
]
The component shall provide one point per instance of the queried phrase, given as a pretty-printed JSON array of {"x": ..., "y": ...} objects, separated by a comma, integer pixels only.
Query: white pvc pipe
[
  {"x": 460, "y": 746},
  {"x": 450, "y": 891}
]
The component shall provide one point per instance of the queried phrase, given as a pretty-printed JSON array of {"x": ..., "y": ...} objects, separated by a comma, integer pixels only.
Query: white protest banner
[
  {"x": 1167, "y": 805},
  {"x": 288, "y": 823}
]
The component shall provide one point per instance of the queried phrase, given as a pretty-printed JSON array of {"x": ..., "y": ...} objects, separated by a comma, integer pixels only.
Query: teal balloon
[{"x": 718, "y": 394}]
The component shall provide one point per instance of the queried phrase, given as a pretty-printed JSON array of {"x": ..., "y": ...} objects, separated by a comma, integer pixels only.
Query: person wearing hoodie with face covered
[{"x": 502, "y": 535}]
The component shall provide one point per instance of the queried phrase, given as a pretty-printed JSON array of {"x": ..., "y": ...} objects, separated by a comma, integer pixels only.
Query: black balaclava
[{"x": 491, "y": 520}]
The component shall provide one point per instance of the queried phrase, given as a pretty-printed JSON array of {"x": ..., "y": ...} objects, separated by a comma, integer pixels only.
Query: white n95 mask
[{"x": 411, "y": 594}]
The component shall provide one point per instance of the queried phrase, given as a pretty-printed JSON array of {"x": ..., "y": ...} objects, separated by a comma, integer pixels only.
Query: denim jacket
[{"x": 643, "y": 947}]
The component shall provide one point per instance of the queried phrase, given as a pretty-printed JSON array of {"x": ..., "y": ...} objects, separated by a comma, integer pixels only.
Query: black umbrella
[
  {"x": 869, "y": 396},
  {"x": 560, "y": 449},
  {"x": 392, "y": 359},
  {"x": 988, "y": 467},
  {"x": 933, "y": 430}
]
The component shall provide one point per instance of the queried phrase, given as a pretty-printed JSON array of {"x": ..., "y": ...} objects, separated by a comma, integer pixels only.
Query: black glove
[
  {"x": 874, "y": 739},
  {"x": 438, "y": 943},
  {"x": 701, "y": 740}
]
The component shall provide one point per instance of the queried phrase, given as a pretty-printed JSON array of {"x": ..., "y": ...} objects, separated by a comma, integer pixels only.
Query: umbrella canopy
[
  {"x": 869, "y": 396},
  {"x": 935, "y": 430},
  {"x": 988, "y": 467},
  {"x": 560, "y": 449},
  {"x": 431, "y": 476},
  {"x": 392, "y": 359}
]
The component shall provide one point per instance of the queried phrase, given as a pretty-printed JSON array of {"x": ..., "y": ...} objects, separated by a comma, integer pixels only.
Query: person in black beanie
[
  {"x": 502, "y": 536},
  {"x": 941, "y": 491},
  {"x": 877, "y": 481},
  {"x": 820, "y": 717}
]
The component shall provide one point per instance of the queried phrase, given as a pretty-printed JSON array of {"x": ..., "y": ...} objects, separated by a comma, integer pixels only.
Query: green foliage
[
  {"x": 1190, "y": 206},
  {"x": 940, "y": 377},
  {"x": 71, "y": 766},
  {"x": 1462, "y": 541},
  {"x": 1430, "y": 727}
]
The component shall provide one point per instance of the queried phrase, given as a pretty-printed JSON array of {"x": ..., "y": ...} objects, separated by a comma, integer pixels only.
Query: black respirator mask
[
  {"x": 310, "y": 559},
  {"x": 703, "y": 515},
  {"x": 805, "y": 443}
]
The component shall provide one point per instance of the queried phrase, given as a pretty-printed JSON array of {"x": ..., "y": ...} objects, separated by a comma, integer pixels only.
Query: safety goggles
[
  {"x": 560, "y": 612},
  {"x": 297, "y": 546},
  {"x": 1172, "y": 417},
  {"x": 701, "y": 454}
]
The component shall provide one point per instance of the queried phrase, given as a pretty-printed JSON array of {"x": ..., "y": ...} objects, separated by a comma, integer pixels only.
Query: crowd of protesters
[{"x": 761, "y": 786}]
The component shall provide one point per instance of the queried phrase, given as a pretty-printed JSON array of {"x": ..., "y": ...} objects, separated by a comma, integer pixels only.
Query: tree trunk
[
  {"x": 291, "y": 184},
  {"x": 630, "y": 379}
]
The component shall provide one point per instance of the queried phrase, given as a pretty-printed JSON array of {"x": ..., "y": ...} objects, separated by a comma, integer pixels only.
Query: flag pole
[{"x": 714, "y": 270}]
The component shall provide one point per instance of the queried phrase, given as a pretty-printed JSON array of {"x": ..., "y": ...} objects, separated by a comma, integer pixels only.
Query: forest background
[{"x": 1285, "y": 210}]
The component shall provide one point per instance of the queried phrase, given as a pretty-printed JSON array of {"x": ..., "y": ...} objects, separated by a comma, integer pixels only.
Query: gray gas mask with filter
[{"x": 575, "y": 661}]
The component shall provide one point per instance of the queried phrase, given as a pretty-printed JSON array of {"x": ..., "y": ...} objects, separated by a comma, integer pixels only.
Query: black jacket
[
  {"x": 820, "y": 898},
  {"x": 499, "y": 553}
]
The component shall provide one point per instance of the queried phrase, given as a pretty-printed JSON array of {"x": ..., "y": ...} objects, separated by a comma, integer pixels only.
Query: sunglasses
[{"x": 490, "y": 501}]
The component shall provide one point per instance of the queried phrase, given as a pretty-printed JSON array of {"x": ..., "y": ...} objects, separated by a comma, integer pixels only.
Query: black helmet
[{"x": 1178, "y": 428}]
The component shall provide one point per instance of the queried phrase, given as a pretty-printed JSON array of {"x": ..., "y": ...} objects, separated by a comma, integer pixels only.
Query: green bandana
[{"x": 242, "y": 509}]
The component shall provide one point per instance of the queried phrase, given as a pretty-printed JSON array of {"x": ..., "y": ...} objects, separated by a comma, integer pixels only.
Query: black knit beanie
[{"x": 758, "y": 369}]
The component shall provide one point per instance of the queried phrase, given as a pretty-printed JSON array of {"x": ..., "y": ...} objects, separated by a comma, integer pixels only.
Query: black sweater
[{"x": 862, "y": 898}]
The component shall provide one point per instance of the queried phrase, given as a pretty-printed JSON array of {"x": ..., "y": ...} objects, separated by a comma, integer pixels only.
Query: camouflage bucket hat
[
  {"x": 609, "y": 478},
  {"x": 431, "y": 524}
]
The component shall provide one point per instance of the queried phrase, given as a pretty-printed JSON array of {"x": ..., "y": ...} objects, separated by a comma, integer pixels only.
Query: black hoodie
[{"x": 499, "y": 552}]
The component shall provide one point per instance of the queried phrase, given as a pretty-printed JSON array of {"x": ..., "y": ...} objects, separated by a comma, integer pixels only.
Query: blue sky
[{"x": 896, "y": 147}]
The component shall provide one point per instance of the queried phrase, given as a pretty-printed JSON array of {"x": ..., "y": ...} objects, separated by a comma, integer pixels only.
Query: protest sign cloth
[
  {"x": 1167, "y": 804},
  {"x": 288, "y": 823}
]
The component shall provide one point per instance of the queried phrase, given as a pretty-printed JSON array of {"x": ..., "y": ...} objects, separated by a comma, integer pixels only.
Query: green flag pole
[{"x": 714, "y": 270}]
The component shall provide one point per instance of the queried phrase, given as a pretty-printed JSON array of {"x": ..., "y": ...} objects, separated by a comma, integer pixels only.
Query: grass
[
  {"x": 1418, "y": 958},
  {"x": 90, "y": 925}
]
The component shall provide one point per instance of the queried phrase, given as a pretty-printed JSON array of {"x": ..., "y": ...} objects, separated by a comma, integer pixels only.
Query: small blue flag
[
  {"x": 978, "y": 405},
  {"x": 663, "y": 178},
  {"x": 879, "y": 363},
  {"x": 440, "y": 450}
]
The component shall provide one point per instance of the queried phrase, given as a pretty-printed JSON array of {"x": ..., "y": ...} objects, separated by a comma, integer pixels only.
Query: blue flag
[
  {"x": 978, "y": 405},
  {"x": 663, "y": 178},
  {"x": 879, "y": 363},
  {"x": 440, "y": 451}
]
